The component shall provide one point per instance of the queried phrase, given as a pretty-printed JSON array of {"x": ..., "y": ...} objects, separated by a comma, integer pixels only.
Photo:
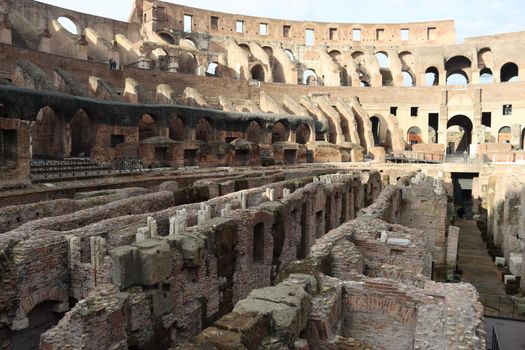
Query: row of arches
[
  {"x": 53, "y": 137},
  {"x": 459, "y": 134}
]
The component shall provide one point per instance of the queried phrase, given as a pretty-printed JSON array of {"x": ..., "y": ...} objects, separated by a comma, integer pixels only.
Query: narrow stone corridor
[{"x": 474, "y": 261}]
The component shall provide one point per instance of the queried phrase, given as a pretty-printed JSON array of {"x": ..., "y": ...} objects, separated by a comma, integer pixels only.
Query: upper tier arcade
[{"x": 163, "y": 16}]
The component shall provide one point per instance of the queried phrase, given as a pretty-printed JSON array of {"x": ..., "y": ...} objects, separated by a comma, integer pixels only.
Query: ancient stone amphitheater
[{"x": 191, "y": 179}]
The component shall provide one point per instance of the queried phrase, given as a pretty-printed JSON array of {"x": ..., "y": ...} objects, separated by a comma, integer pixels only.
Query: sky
[{"x": 473, "y": 17}]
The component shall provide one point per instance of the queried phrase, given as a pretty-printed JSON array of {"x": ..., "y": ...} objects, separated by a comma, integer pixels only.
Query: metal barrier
[
  {"x": 76, "y": 167},
  {"x": 498, "y": 306},
  {"x": 495, "y": 341}
]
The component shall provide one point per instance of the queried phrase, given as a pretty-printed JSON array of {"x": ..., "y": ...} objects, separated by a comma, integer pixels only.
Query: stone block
[
  {"x": 220, "y": 339},
  {"x": 155, "y": 261},
  {"x": 515, "y": 263},
  {"x": 287, "y": 305},
  {"x": 508, "y": 278},
  {"x": 399, "y": 241},
  {"x": 252, "y": 326},
  {"x": 500, "y": 261},
  {"x": 193, "y": 247},
  {"x": 126, "y": 267}
]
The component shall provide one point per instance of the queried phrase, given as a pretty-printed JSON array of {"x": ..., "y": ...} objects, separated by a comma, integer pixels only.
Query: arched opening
[
  {"x": 147, "y": 127},
  {"x": 431, "y": 76},
  {"x": 168, "y": 38},
  {"x": 457, "y": 68},
  {"x": 268, "y": 50},
  {"x": 290, "y": 55},
  {"x": 246, "y": 48},
  {"x": 187, "y": 64},
  {"x": 82, "y": 135},
  {"x": 203, "y": 130},
  {"x": 212, "y": 69},
  {"x": 407, "y": 60},
  {"x": 485, "y": 59},
  {"x": 458, "y": 78},
  {"x": 309, "y": 77},
  {"x": 279, "y": 133},
  {"x": 177, "y": 129},
  {"x": 253, "y": 133},
  {"x": 334, "y": 54},
  {"x": 382, "y": 59},
  {"x": 43, "y": 317},
  {"x": 414, "y": 135},
  {"x": 384, "y": 68},
  {"x": 69, "y": 24},
  {"x": 485, "y": 76},
  {"x": 432, "y": 135},
  {"x": 376, "y": 123},
  {"x": 302, "y": 134},
  {"x": 408, "y": 79},
  {"x": 257, "y": 72},
  {"x": 459, "y": 134},
  {"x": 188, "y": 42},
  {"x": 343, "y": 73},
  {"x": 505, "y": 134},
  {"x": 48, "y": 135},
  {"x": 509, "y": 72}
]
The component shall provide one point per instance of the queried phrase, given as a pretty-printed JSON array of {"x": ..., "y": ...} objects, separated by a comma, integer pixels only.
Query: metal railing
[
  {"x": 495, "y": 340},
  {"x": 81, "y": 167}
]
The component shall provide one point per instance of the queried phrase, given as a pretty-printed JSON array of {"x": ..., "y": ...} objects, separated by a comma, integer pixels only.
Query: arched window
[
  {"x": 279, "y": 133},
  {"x": 309, "y": 77},
  {"x": 69, "y": 25},
  {"x": 253, "y": 133},
  {"x": 302, "y": 134},
  {"x": 485, "y": 76},
  {"x": 376, "y": 130},
  {"x": 177, "y": 129},
  {"x": 457, "y": 68},
  {"x": 459, "y": 78},
  {"x": 459, "y": 134},
  {"x": 258, "y": 72},
  {"x": 147, "y": 127},
  {"x": 431, "y": 76},
  {"x": 203, "y": 130},
  {"x": 408, "y": 79},
  {"x": 382, "y": 59},
  {"x": 414, "y": 135},
  {"x": 212, "y": 69},
  {"x": 505, "y": 135},
  {"x": 509, "y": 72}
]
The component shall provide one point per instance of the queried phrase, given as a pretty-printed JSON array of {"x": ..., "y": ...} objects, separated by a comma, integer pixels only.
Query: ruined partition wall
[
  {"x": 334, "y": 299},
  {"x": 174, "y": 285}
]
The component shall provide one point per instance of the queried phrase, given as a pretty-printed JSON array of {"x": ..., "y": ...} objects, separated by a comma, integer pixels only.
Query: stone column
[
  {"x": 516, "y": 136},
  {"x": 6, "y": 36}
]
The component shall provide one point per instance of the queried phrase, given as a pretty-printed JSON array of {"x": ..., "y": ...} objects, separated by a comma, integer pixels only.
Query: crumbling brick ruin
[{"x": 234, "y": 182}]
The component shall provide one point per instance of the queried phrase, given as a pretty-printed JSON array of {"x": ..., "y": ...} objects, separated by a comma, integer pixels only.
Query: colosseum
[{"x": 191, "y": 179}]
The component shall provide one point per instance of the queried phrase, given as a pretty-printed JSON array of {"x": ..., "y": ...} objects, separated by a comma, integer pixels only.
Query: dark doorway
[
  {"x": 290, "y": 156},
  {"x": 41, "y": 318},
  {"x": 190, "y": 157}
]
